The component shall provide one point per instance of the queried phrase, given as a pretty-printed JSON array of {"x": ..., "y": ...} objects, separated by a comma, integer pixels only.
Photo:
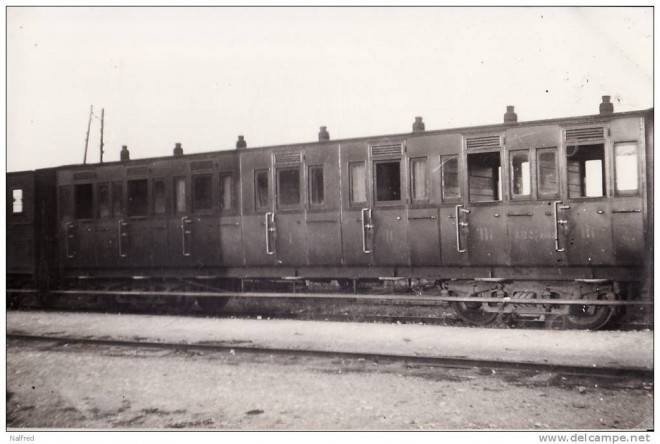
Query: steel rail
[
  {"x": 439, "y": 361},
  {"x": 504, "y": 301}
]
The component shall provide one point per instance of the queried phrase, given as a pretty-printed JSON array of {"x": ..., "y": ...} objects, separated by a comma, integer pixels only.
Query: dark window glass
[
  {"x": 484, "y": 172},
  {"x": 521, "y": 185},
  {"x": 261, "y": 189},
  {"x": 226, "y": 192},
  {"x": 418, "y": 179},
  {"x": 388, "y": 181},
  {"x": 358, "y": 182},
  {"x": 179, "y": 195},
  {"x": 83, "y": 198},
  {"x": 66, "y": 203},
  {"x": 17, "y": 201},
  {"x": 546, "y": 161},
  {"x": 450, "y": 188},
  {"x": 137, "y": 198},
  {"x": 586, "y": 170},
  {"x": 117, "y": 199},
  {"x": 159, "y": 196},
  {"x": 103, "y": 190},
  {"x": 316, "y": 185},
  {"x": 202, "y": 189},
  {"x": 288, "y": 187},
  {"x": 626, "y": 167}
]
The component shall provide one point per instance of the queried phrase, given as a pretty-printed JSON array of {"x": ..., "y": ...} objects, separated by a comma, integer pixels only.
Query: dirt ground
[{"x": 72, "y": 386}]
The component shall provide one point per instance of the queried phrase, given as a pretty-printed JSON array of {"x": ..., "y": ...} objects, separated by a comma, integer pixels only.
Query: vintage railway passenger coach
[{"x": 545, "y": 218}]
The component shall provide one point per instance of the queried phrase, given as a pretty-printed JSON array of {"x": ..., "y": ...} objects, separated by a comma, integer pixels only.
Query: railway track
[{"x": 443, "y": 362}]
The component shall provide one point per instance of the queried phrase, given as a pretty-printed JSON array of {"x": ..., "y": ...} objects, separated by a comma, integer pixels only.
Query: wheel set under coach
[{"x": 537, "y": 219}]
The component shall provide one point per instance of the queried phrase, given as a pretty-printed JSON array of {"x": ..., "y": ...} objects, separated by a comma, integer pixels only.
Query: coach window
[
  {"x": 484, "y": 177},
  {"x": 586, "y": 170},
  {"x": 288, "y": 187},
  {"x": 450, "y": 188},
  {"x": 546, "y": 171},
  {"x": 17, "y": 201},
  {"x": 83, "y": 198},
  {"x": 103, "y": 199},
  {"x": 66, "y": 202},
  {"x": 179, "y": 195},
  {"x": 520, "y": 175},
  {"x": 117, "y": 199},
  {"x": 626, "y": 169},
  {"x": 419, "y": 179},
  {"x": 316, "y": 197},
  {"x": 159, "y": 196},
  {"x": 357, "y": 183},
  {"x": 202, "y": 186},
  {"x": 226, "y": 192},
  {"x": 137, "y": 198},
  {"x": 261, "y": 189},
  {"x": 388, "y": 181}
]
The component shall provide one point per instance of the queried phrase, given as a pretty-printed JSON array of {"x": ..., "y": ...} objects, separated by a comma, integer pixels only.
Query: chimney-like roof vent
[
  {"x": 418, "y": 126},
  {"x": 241, "y": 143},
  {"x": 178, "y": 151},
  {"x": 324, "y": 134},
  {"x": 124, "y": 155},
  {"x": 510, "y": 116},
  {"x": 606, "y": 107}
]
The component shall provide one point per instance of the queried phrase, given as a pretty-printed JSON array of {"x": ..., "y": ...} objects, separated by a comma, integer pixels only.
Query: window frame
[
  {"x": 606, "y": 176},
  {"x": 278, "y": 193},
  {"x": 351, "y": 199},
  {"x": 540, "y": 195},
  {"x": 99, "y": 185},
  {"x": 266, "y": 207},
  {"x": 623, "y": 193},
  {"x": 75, "y": 201},
  {"x": 147, "y": 206},
  {"x": 411, "y": 180},
  {"x": 501, "y": 188},
  {"x": 402, "y": 190},
  {"x": 443, "y": 161},
  {"x": 232, "y": 192},
  {"x": 165, "y": 211},
  {"x": 310, "y": 187},
  {"x": 512, "y": 195},
  {"x": 175, "y": 201},
  {"x": 193, "y": 193},
  {"x": 22, "y": 212}
]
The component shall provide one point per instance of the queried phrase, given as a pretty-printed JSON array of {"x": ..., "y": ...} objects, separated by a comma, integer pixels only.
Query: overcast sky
[{"x": 202, "y": 76}]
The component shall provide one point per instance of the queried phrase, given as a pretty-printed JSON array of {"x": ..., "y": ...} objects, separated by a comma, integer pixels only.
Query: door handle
[
  {"x": 367, "y": 225},
  {"x": 459, "y": 209},
  {"x": 121, "y": 231},
  {"x": 558, "y": 222},
  {"x": 69, "y": 237},
  {"x": 270, "y": 230},
  {"x": 185, "y": 235}
]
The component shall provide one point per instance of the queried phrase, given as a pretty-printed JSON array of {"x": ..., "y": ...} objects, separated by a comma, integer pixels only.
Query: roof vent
[
  {"x": 606, "y": 107},
  {"x": 241, "y": 143},
  {"x": 178, "y": 151},
  {"x": 418, "y": 126},
  {"x": 510, "y": 116},
  {"x": 124, "y": 155},
  {"x": 324, "y": 134}
]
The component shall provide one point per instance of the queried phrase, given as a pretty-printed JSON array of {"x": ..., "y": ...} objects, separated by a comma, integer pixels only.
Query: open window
[
  {"x": 484, "y": 176},
  {"x": 450, "y": 186},
  {"x": 288, "y": 187},
  {"x": 316, "y": 188},
  {"x": 419, "y": 179},
  {"x": 626, "y": 165},
  {"x": 521, "y": 185},
  {"x": 357, "y": 183},
  {"x": 17, "y": 201},
  {"x": 83, "y": 201},
  {"x": 388, "y": 181},
  {"x": 137, "y": 198},
  {"x": 586, "y": 170},
  {"x": 202, "y": 192}
]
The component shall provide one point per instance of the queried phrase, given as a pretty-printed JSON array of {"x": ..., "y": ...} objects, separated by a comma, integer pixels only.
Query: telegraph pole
[
  {"x": 89, "y": 123},
  {"x": 101, "y": 147}
]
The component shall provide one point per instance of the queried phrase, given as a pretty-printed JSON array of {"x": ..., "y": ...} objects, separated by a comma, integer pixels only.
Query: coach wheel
[
  {"x": 212, "y": 305},
  {"x": 590, "y": 317},
  {"x": 472, "y": 313}
]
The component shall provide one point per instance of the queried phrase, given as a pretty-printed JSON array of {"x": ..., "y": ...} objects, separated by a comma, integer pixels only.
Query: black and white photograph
[{"x": 329, "y": 219}]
